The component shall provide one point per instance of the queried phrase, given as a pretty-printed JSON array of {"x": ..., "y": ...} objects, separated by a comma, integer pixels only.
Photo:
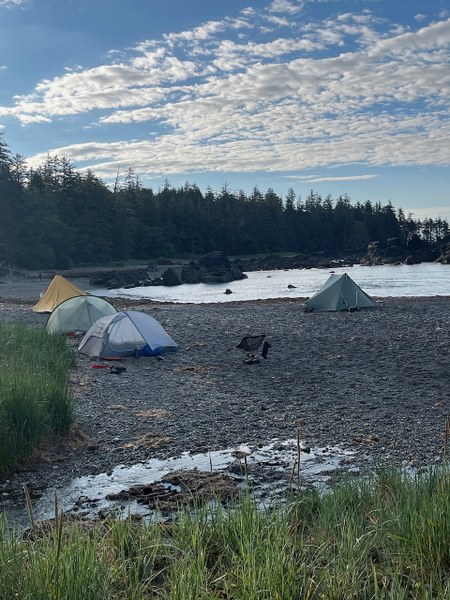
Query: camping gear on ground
[
  {"x": 250, "y": 345},
  {"x": 78, "y": 314},
  {"x": 126, "y": 333},
  {"x": 117, "y": 370},
  {"x": 112, "y": 369},
  {"x": 59, "y": 289},
  {"x": 339, "y": 292}
]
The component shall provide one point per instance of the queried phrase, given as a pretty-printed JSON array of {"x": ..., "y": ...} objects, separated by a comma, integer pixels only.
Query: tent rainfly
[
  {"x": 339, "y": 292},
  {"x": 78, "y": 314},
  {"x": 126, "y": 333},
  {"x": 59, "y": 289}
]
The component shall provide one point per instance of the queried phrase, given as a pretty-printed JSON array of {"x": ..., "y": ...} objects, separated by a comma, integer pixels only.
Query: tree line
[{"x": 57, "y": 217}]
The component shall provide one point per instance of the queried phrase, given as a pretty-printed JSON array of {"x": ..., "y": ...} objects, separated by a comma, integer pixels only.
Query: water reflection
[{"x": 269, "y": 470}]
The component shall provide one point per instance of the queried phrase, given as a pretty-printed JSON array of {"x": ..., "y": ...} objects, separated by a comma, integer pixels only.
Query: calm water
[{"x": 427, "y": 279}]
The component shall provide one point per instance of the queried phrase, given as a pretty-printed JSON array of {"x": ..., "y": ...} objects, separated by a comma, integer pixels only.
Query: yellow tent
[{"x": 60, "y": 289}]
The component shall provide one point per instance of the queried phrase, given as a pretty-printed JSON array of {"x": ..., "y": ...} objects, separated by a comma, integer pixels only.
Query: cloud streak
[
  {"x": 314, "y": 179},
  {"x": 12, "y": 3}
]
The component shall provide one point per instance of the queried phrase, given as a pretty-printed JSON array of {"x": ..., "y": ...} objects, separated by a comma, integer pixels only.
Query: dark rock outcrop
[
  {"x": 211, "y": 268},
  {"x": 190, "y": 273},
  {"x": 170, "y": 278},
  {"x": 118, "y": 278},
  {"x": 216, "y": 268},
  {"x": 389, "y": 252},
  {"x": 299, "y": 261},
  {"x": 393, "y": 251},
  {"x": 444, "y": 255}
]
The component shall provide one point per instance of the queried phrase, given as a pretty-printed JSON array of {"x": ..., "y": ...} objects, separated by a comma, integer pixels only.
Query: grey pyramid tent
[
  {"x": 126, "y": 333},
  {"x": 78, "y": 314},
  {"x": 339, "y": 292}
]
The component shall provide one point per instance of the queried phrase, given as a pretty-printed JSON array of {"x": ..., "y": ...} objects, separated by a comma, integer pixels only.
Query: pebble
[{"x": 390, "y": 373}]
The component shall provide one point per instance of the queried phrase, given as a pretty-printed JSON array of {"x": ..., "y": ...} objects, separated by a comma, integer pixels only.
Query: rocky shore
[
  {"x": 374, "y": 381},
  {"x": 216, "y": 267}
]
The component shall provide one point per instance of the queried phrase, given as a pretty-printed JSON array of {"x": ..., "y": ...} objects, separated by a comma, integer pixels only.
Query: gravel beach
[{"x": 374, "y": 381}]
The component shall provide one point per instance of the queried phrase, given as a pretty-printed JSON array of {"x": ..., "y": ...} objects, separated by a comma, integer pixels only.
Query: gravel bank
[{"x": 375, "y": 381}]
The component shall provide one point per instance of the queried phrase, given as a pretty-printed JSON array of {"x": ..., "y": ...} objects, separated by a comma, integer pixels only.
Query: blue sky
[{"x": 336, "y": 96}]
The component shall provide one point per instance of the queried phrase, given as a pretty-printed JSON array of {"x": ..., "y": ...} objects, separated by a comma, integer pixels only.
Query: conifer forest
[{"x": 56, "y": 216}]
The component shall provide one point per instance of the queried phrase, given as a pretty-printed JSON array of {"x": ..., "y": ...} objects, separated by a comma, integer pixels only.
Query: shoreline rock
[
  {"x": 211, "y": 268},
  {"x": 415, "y": 251}
]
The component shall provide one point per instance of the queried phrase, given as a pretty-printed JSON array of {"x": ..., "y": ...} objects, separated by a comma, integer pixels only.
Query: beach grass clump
[
  {"x": 34, "y": 398},
  {"x": 376, "y": 538}
]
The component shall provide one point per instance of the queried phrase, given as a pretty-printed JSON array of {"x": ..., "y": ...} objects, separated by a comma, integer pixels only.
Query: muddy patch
[
  {"x": 160, "y": 486},
  {"x": 181, "y": 488}
]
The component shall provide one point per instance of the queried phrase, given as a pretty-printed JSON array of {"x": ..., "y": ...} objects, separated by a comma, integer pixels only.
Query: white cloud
[
  {"x": 315, "y": 179},
  {"x": 230, "y": 51},
  {"x": 380, "y": 96},
  {"x": 429, "y": 212},
  {"x": 436, "y": 35},
  {"x": 201, "y": 33},
  {"x": 12, "y": 3},
  {"x": 279, "y": 21},
  {"x": 286, "y": 6}
]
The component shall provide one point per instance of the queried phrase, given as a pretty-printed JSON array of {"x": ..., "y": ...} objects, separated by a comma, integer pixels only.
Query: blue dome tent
[{"x": 126, "y": 333}]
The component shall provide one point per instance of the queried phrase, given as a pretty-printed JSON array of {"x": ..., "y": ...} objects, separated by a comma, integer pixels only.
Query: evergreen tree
[
  {"x": 56, "y": 217},
  {"x": 10, "y": 208}
]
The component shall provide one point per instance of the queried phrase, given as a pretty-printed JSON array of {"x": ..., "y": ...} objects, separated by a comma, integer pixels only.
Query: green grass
[
  {"x": 380, "y": 538},
  {"x": 34, "y": 399},
  {"x": 385, "y": 537}
]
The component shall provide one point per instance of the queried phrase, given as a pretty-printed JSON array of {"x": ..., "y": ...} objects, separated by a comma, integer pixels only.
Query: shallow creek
[{"x": 268, "y": 471}]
